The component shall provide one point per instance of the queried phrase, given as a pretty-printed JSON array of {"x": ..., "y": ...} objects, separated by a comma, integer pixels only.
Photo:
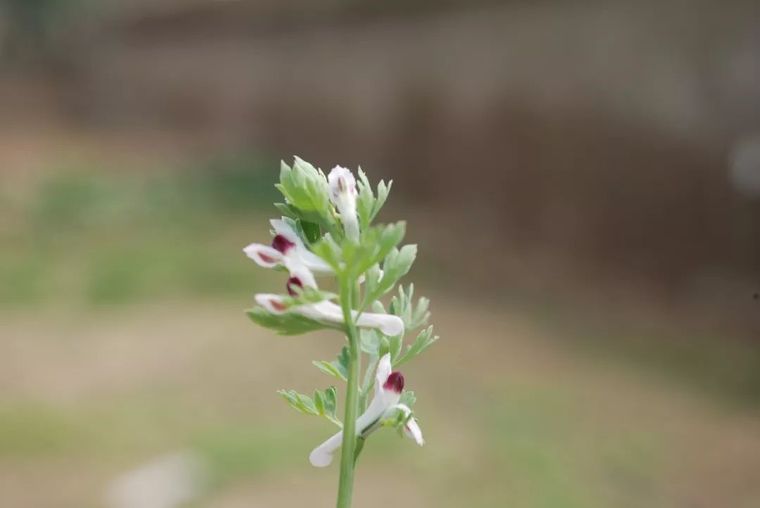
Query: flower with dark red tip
[
  {"x": 328, "y": 312},
  {"x": 394, "y": 382},
  {"x": 292, "y": 284},
  {"x": 288, "y": 250},
  {"x": 282, "y": 244},
  {"x": 385, "y": 404}
]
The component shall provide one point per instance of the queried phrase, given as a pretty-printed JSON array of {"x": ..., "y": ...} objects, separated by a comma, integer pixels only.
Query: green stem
[{"x": 346, "y": 483}]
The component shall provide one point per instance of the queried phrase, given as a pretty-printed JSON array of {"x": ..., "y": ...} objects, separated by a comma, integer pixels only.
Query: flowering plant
[{"x": 327, "y": 230}]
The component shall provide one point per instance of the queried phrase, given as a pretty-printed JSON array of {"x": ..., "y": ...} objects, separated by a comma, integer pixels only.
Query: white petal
[
  {"x": 283, "y": 228},
  {"x": 389, "y": 324},
  {"x": 300, "y": 271},
  {"x": 384, "y": 369},
  {"x": 315, "y": 263},
  {"x": 325, "y": 312},
  {"x": 330, "y": 312},
  {"x": 322, "y": 455},
  {"x": 411, "y": 429},
  {"x": 341, "y": 181},
  {"x": 343, "y": 195},
  {"x": 264, "y": 255},
  {"x": 272, "y": 303}
]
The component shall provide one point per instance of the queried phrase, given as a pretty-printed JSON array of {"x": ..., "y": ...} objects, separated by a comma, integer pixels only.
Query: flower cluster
[{"x": 327, "y": 232}]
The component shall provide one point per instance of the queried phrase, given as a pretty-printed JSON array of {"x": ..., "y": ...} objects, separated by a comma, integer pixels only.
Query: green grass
[
  {"x": 119, "y": 238},
  {"x": 124, "y": 430}
]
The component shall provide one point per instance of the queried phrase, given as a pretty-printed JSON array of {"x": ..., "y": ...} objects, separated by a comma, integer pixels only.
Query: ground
[{"x": 514, "y": 414}]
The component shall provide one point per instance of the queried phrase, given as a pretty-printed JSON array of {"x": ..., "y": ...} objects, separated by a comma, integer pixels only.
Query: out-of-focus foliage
[{"x": 108, "y": 239}]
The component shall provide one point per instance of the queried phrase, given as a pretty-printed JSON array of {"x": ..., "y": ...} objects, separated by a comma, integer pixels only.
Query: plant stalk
[{"x": 347, "y": 458}]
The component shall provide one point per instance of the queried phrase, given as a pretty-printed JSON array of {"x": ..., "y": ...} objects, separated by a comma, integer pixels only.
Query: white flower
[
  {"x": 343, "y": 196},
  {"x": 388, "y": 388},
  {"x": 288, "y": 250},
  {"x": 411, "y": 428},
  {"x": 328, "y": 312}
]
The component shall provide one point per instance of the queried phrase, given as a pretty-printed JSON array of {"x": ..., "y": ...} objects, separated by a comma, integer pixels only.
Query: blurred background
[{"x": 583, "y": 180}]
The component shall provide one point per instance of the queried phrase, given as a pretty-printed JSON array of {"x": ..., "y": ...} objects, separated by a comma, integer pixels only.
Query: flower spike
[{"x": 328, "y": 230}]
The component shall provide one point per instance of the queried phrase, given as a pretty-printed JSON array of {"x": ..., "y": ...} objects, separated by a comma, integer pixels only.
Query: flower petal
[
  {"x": 283, "y": 228},
  {"x": 272, "y": 303},
  {"x": 302, "y": 254},
  {"x": 411, "y": 429},
  {"x": 384, "y": 369},
  {"x": 330, "y": 312},
  {"x": 343, "y": 195},
  {"x": 300, "y": 271},
  {"x": 342, "y": 182},
  {"x": 389, "y": 324},
  {"x": 322, "y": 455},
  {"x": 315, "y": 263},
  {"x": 264, "y": 255}
]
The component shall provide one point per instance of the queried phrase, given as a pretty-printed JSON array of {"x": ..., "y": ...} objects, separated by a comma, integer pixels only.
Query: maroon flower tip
[
  {"x": 282, "y": 244},
  {"x": 266, "y": 259},
  {"x": 394, "y": 382},
  {"x": 278, "y": 306},
  {"x": 291, "y": 285}
]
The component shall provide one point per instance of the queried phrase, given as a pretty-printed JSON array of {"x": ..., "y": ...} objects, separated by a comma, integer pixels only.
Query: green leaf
[
  {"x": 370, "y": 341},
  {"x": 382, "y": 194},
  {"x": 365, "y": 200},
  {"x": 424, "y": 340},
  {"x": 394, "y": 345},
  {"x": 300, "y": 402},
  {"x": 374, "y": 245},
  {"x": 287, "y": 210},
  {"x": 323, "y": 404},
  {"x": 337, "y": 368},
  {"x": 319, "y": 402},
  {"x": 328, "y": 404},
  {"x": 311, "y": 230},
  {"x": 367, "y": 205},
  {"x": 397, "y": 264},
  {"x": 306, "y": 194},
  {"x": 330, "y": 369},
  {"x": 413, "y": 316},
  {"x": 306, "y": 296},
  {"x": 329, "y": 250},
  {"x": 283, "y": 324}
]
